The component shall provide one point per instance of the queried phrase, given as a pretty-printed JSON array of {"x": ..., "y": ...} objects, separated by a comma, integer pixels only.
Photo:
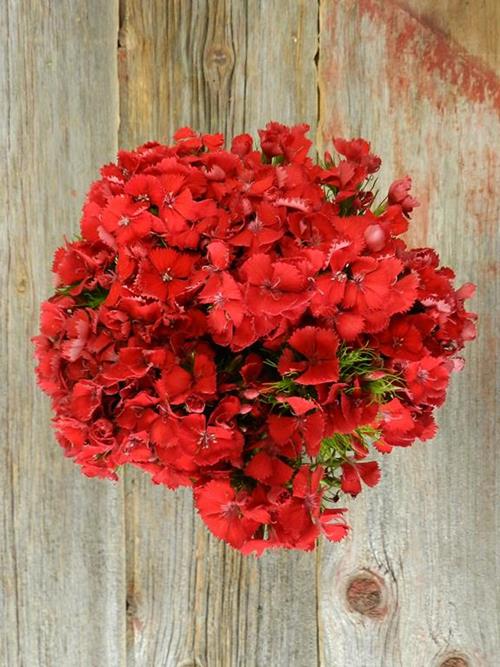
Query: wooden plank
[
  {"x": 473, "y": 25},
  {"x": 61, "y": 560},
  {"x": 230, "y": 66},
  {"x": 427, "y": 532}
]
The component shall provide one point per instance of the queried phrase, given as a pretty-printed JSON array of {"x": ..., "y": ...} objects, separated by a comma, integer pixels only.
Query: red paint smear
[
  {"x": 335, "y": 126},
  {"x": 435, "y": 51}
]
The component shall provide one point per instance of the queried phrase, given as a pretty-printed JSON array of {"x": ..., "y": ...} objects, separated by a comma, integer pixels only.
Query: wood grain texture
[
  {"x": 62, "y": 590},
  {"x": 219, "y": 66},
  {"x": 428, "y": 530},
  {"x": 96, "y": 575},
  {"x": 473, "y": 24}
]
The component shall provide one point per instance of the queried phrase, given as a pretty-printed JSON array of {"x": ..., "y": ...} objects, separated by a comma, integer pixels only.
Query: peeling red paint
[
  {"x": 435, "y": 52},
  {"x": 327, "y": 130},
  {"x": 422, "y": 101},
  {"x": 419, "y": 234}
]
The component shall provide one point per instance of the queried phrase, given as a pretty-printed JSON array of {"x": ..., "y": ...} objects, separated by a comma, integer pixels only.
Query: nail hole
[{"x": 366, "y": 595}]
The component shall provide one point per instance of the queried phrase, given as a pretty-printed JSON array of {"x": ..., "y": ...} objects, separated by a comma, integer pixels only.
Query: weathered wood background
[{"x": 97, "y": 575}]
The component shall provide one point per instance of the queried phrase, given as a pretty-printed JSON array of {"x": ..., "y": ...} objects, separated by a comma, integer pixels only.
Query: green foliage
[
  {"x": 367, "y": 365},
  {"x": 94, "y": 298},
  {"x": 381, "y": 208},
  {"x": 356, "y": 362},
  {"x": 65, "y": 290},
  {"x": 241, "y": 481},
  {"x": 335, "y": 449},
  {"x": 86, "y": 299},
  {"x": 368, "y": 434},
  {"x": 338, "y": 448},
  {"x": 330, "y": 191},
  {"x": 286, "y": 386},
  {"x": 346, "y": 207},
  {"x": 385, "y": 388}
]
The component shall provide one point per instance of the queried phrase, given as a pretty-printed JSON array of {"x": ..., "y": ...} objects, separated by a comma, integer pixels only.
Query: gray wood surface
[
  {"x": 61, "y": 536},
  {"x": 98, "y": 575},
  {"x": 428, "y": 530},
  {"x": 221, "y": 66}
]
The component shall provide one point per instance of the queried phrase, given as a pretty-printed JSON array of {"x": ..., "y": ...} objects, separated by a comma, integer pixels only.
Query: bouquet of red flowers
[{"x": 248, "y": 323}]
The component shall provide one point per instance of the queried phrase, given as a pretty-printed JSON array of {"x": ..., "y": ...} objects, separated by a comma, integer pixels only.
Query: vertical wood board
[
  {"x": 93, "y": 573},
  {"x": 428, "y": 530},
  {"x": 61, "y": 535},
  {"x": 231, "y": 67}
]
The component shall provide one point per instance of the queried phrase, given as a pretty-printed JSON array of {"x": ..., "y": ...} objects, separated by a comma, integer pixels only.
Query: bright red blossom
[{"x": 248, "y": 323}]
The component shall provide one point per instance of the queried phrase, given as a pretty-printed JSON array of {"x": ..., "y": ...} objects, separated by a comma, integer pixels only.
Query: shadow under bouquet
[{"x": 248, "y": 323}]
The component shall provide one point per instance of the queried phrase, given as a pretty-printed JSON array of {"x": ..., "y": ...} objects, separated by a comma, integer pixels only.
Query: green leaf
[
  {"x": 65, "y": 290},
  {"x": 93, "y": 298}
]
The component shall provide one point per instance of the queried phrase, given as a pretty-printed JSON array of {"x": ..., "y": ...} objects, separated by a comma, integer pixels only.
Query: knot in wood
[
  {"x": 218, "y": 56},
  {"x": 22, "y": 285},
  {"x": 454, "y": 661},
  {"x": 366, "y": 595}
]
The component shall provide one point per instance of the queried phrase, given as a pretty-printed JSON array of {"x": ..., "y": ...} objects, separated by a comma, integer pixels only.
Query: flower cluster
[{"x": 248, "y": 323}]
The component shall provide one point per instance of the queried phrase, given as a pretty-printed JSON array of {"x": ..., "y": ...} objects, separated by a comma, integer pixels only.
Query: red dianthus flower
[{"x": 248, "y": 323}]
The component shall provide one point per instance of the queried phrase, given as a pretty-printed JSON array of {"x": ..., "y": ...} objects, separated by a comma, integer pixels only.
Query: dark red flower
[
  {"x": 85, "y": 399},
  {"x": 249, "y": 324},
  {"x": 268, "y": 469},
  {"x": 127, "y": 220},
  {"x": 304, "y": 431},
  {"x": 224, "y": 295},
  {"x": 319, "y": 349},
  {"x": 401, "y": 340},
  {"x": 163, "y": 275},
  {"x": 399, "y": 193},
  {"x": 358, "y": 151},
  {"x": 224, "y": 512},
  {"x": 174, "y": 201},
  {"x": 369, "y": 285},
  {"x": 396, "y": 418},
  {"x": 355, "y": 472},
  {"x": 274, "y": 288},
  {"x": 427, "y": 380},
  {"x": 262, "y": 230}
]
